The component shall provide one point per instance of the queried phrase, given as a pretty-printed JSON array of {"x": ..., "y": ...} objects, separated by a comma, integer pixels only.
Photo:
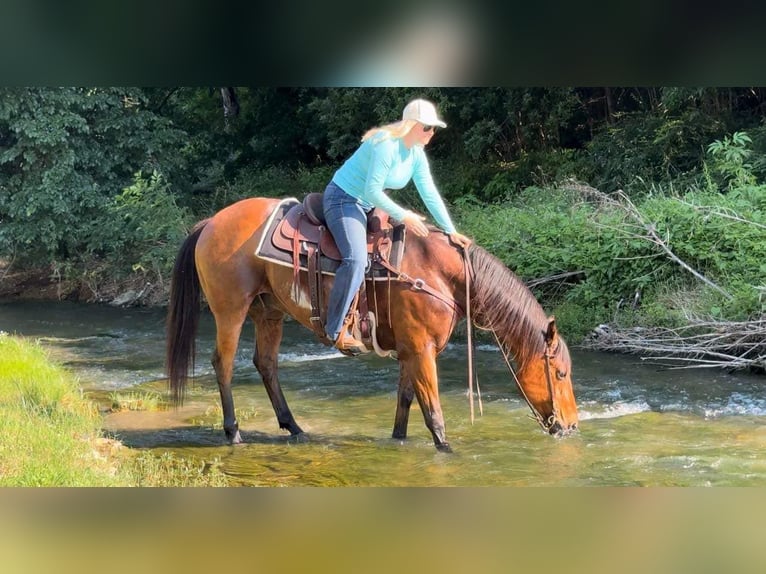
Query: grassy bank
[{"x": 51, "y": 436}]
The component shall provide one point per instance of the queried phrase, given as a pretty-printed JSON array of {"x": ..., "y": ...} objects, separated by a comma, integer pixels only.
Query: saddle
[
  {"x": 300, "y": 235},
  {"x": 304, "y": 226}
]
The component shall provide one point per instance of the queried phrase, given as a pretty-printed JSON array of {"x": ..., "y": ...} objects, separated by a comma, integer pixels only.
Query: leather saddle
[
  {"x": 300, "y": 238},
  {"x": 305, "y": 225}
]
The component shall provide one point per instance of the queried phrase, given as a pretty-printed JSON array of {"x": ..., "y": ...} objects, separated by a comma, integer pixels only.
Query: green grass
[
  {"x": 137, "y": 401},
  {"x": 50, "y": 435},
  {"x": 46, "y": 427}
]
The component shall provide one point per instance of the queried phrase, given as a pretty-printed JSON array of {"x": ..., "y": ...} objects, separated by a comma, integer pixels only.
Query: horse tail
[{"x": 183, "y": 316}]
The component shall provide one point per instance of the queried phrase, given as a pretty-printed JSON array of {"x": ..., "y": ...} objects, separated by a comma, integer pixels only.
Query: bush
[
  {"x": 542, "y": 232},
  {"x": 151, "y": 224}
]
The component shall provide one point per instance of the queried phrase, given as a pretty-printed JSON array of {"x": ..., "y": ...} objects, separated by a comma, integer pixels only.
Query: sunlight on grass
[{"x": 50, "y": 435}]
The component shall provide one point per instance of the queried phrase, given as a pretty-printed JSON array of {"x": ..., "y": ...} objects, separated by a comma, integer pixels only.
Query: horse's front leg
[
  {"x": 404, "y": 396},
  {"x": 268, "y": 336},
  {"x": 421, "y": 371}
]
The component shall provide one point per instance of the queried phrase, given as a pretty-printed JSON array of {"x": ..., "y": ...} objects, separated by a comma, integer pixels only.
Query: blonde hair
[{"x": 395, "y": 130}]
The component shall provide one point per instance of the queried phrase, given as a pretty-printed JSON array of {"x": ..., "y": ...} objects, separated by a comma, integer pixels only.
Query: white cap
[{"x": 424, "y": 112}]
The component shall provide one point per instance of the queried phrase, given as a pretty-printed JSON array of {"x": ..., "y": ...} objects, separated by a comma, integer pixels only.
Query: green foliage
[
  {"x": 263, "y": 182},
  {"x": 543, "y": 232},
  {"x": 730, "y": 159},
  {"x": 656, "y": 147},
  {"x": 64, "y": 154},
  {"x": 50, "y": 434},
  {"x": 148, "y": 226},
  {"x": 107, "y": 180}
]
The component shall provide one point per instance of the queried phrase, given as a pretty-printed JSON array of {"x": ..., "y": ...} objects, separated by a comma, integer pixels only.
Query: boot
[
  {"x": 347, "y": 344},
  {"x": 348, "y": 341}
]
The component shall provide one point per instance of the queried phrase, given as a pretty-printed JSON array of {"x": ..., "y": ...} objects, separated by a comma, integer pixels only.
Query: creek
[{"x": 640, "y": 424}]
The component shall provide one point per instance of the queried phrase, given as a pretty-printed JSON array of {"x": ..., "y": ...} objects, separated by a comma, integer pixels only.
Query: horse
[{"x": 217, "y": 259}]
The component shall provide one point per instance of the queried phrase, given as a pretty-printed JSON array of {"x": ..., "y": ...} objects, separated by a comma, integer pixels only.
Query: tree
[{"x": 65, "y": 154}]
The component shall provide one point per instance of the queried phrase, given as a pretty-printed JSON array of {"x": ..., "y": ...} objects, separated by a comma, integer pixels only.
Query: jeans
[{"x": 347, "y": 221}]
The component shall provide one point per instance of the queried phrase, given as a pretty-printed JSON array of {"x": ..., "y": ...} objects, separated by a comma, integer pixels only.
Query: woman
[{"x": 388, "y": 158}]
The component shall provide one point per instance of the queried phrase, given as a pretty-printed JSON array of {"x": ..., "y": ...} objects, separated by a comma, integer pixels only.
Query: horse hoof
[
  {"x": 297, "y": 438},
  {"x": 236, "y": 439},
  {"x": 444, "y": 447}
]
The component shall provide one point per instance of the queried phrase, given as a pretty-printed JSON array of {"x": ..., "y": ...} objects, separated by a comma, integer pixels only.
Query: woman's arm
[{"x": 424, "y": 183}]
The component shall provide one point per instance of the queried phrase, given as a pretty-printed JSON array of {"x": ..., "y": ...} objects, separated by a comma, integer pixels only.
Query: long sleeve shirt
[{"x": 386, "y": 163}]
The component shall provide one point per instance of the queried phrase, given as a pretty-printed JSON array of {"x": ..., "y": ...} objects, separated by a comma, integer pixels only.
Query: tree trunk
[{"x": 230, "y": 103}]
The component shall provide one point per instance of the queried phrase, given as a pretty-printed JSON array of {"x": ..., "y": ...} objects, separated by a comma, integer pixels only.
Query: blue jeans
[{"x": 347, "y": 221}]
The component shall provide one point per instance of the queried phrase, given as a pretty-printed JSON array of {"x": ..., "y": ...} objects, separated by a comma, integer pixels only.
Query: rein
[
  {"x": 546, "y": 424},
  {"x": 469, "y": 336},
  {"x": 417, "y": 283}
]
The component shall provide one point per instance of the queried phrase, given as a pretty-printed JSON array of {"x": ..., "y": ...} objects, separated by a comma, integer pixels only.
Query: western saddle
[{"x": 303, "y": 233}]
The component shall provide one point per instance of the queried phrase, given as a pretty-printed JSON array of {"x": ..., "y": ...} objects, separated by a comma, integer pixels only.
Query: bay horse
[{"x": 218, "y": 259}]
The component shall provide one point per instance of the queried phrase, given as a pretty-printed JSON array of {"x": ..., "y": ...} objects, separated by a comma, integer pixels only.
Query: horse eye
[{"x": 561, "y": 375}]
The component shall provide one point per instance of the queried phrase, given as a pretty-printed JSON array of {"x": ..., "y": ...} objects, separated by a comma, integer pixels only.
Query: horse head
[{"x": 545, "y": 381}]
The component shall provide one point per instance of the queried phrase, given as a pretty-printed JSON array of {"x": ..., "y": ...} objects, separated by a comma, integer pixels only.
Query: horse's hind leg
[
  {"x": 404, "y": 396},
  {"x": 268, "y": 335},
  {"x": 227, "y": 339}
]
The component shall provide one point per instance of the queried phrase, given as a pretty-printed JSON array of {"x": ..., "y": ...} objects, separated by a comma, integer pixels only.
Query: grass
[
  {"x": 137, "y": 401},
  {"x": 50, "y": 435}
]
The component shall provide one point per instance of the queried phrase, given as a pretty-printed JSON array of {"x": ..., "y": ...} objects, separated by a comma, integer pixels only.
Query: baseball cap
[{"x": 424, "y": 112}]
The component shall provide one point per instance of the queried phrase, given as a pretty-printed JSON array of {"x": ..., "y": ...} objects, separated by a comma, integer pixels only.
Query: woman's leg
[{"x": 347, "y": 221}]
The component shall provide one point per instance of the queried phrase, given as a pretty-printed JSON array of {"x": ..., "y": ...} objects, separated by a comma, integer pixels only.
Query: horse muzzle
[{"x": 559, "y": 431}]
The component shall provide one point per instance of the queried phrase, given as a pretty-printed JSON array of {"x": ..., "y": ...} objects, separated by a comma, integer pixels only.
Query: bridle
[{"x": 549, "y": 354}]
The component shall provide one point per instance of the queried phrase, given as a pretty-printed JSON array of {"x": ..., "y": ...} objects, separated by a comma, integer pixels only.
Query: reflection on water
[{"x": 639, "y": 425}]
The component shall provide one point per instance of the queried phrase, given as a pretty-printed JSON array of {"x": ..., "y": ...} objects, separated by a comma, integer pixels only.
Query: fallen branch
[
  {"x": 555, "y": 277},
  {"x": 704, "y": 344},
  {"x": 651, "y": 231},
  {"x": 722, "y": 214}
]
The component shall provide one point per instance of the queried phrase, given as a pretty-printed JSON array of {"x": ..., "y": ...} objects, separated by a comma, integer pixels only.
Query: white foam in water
[
  {"x": 304, "y": 357},
  {"x": 738, "y": 404},
  {"x": 487, "y": 348},
  {"x": 244, "y": 359},
  {"x": 618, "y": 409}
]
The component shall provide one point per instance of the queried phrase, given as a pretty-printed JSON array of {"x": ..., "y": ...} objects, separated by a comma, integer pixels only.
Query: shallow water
[{"x": 640, "y": 425}]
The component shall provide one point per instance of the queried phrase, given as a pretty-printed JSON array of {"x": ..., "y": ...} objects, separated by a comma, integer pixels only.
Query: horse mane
[{"x": 502, "y": 302}]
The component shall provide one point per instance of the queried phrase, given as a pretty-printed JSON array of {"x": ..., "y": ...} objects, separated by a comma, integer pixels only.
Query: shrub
[{"x": 148, "y": 227}]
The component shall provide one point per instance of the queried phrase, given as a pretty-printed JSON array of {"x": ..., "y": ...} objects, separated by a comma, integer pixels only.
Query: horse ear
[{"x": 552, "y": 333}]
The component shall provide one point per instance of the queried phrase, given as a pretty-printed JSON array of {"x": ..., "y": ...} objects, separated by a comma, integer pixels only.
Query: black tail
[{"x": 183, "y": 317}]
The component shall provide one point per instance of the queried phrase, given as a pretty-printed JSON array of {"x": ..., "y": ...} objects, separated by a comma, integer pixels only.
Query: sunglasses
[{"x": 427, "y": 129}]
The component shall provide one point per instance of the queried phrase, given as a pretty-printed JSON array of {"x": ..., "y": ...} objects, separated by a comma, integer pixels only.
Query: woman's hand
[
  {"x": 460, "y": 240},
  {"x": 414, "y": 222}
]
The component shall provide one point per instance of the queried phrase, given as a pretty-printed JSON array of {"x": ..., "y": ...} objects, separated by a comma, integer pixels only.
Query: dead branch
[
  {"x": 554, "y": 277},
  {"x": 702, "y": 344},
  {"x": 722, "y": 214}
]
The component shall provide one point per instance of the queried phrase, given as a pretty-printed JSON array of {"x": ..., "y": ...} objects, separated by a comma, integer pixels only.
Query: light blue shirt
[{"x": 385, "y": 163}]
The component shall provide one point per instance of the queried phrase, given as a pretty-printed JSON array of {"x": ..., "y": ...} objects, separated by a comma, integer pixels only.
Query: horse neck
[
  {"x": 520, "y": 334},
  {"x": 501, "y": 302}
]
